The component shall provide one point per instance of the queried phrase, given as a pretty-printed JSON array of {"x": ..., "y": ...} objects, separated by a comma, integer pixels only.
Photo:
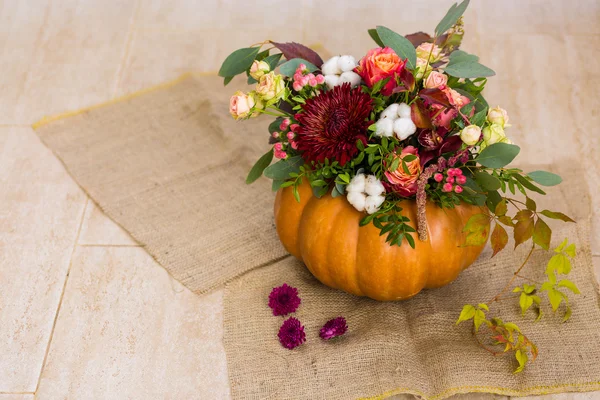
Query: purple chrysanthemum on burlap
[
  {"x": 291, "y": 334},
  {"x": 284, "y": 300},
  {"x": 333, "y": 328}
]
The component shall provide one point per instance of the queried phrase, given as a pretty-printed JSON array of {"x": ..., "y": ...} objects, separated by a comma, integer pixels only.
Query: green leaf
[
  {"x": 227, "y": 80},
  {"x": 542, "y": 234},
  {"x": 556, "y": 215},
  {"x": 522, "y": 359},
  {"x": 466, "y": 314},
  {"x": 530, "y": 204},
  {"x": 478, "y": 319},
  {"x": 498, "y": 155},
  {"x": 375, "y": 37},
  {"x": 277, "y": 184},
  {"x": 525, "y": 302},
  {"x": 567, "y": 314},
  {"x": 501, "y": 208},
  {"x": 401, "y": 45},
  {"x": 458, "y": 56},
  {"x": 281, "y": 170},
  {"x": 238, "y": 61},
  {"x": 468, "y": 69},
  {"x": 480, "y": 117},
  {"x": 273, "y": 60},
  {"x": 486, "y": 181},
  {"x": 453, "y": 14},
  {"x": 259, "y": 167},
  {"x": 555, "y": 298},
  {"x": 545, "y": 178},
  {"x": 483, "y": 306},
  {"x": 569, "y": 285},
  {"x": 525, "y": 182},
  {"x": 289, "y": 68}
]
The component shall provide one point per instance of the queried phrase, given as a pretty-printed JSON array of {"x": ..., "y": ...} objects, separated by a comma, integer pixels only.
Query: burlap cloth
[{"x": 169, "y": 166}]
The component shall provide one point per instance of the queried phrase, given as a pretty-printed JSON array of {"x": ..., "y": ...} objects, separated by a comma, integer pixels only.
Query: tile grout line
[
  {"x": 60, "y": 301},
  {"x": 127, "y": 49}
]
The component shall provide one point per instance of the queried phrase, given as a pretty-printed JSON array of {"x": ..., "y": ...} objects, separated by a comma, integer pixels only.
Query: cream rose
[
  {"x": 498, "y": 116},
  {"x": 270, "y": 87},
  {"x": 429, "y": 51},
  {"x": 470, "y": 135}
]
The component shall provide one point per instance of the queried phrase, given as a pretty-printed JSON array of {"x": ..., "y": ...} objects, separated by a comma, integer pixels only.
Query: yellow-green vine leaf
[
  {"x": 466, "y": 314},
  {"x": 569, "y": 285},
  {"x": 522, "y": 359}
]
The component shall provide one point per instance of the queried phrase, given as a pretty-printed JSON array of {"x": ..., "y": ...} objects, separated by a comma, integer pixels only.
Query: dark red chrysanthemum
[
  {"x": 284, "y": 300},
  {"x": 331, "y": 124},
  {"x": 333, "y": 328},
  {"x": 291, "y": 334}
]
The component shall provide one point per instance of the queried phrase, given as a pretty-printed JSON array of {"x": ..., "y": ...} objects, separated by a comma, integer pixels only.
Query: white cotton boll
[
  {"x": 331, "y": 66},
  {"x": 357, "y": 184},
  {"x": 350, "y": 77},
  {"x": 385, "y": 127},
  {"x": 357, "y": 199},
  {"x": 332, "y": 81},
  {"x": 373, "y": 203},
  {"x": 404, "y": 110},
  {"x": 373, "y": 186},
  {"x": 404, "y": 127},
  {"x": 346, "y": 63},
  {"x": 390, "y": 112}
]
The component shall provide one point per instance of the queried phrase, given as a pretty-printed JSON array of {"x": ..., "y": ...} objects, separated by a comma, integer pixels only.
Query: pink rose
[
  {"x": 240, "y": 105},
  {"x": 378, "y": 64},
  {"x": 399, "y": 181},
  {"x": 436, "y": 80},
  {"x": 442, "y": 116},
  {"x": 456, "y": 99}
]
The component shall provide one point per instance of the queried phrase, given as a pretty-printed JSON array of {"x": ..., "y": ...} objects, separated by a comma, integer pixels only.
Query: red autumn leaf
[
  {"x": 499, "y": 239},
  {"x": 524, "y": 226},
  {"x": 296, "y": 50},
  {"x": 419, "y": 115},
  {"x": 435, "y": 96},
  {"x": 418, "y": 37},
  {"x": 407, "y": 79}
]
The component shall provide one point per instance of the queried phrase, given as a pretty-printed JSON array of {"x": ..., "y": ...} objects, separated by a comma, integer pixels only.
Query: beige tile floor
[{"x": 85, "y": 313}]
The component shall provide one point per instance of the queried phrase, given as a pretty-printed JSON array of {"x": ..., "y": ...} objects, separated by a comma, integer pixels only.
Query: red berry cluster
[{"x": 454, "y": 180}]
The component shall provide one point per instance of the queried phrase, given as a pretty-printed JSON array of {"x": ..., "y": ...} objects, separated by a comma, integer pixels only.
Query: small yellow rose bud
[
  {"x": 258, "y": 69},
  {"x": 470, "y": 135},
  {"x": 498, "y": 116},
  {"x": 429, "y": 51},
  {"x": 493, "y": 133},
  {"x": 423, "y": 68}
]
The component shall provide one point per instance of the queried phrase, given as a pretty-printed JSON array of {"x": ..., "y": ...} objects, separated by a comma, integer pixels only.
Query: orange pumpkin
[{"x": 325, "y": 234}]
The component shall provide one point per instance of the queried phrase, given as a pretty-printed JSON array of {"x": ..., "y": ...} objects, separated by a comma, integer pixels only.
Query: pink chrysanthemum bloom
[
  {"x": 284, "y": 300},
  {"x": 333, "y": 328},
  {"x": 291, "y": 334}
]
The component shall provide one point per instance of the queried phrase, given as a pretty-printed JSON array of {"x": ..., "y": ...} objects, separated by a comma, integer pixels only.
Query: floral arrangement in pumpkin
[{"x": 406, "y": 121}]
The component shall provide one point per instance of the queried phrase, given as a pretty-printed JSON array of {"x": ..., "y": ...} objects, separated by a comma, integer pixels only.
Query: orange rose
[
  {"x": 399, "y": 181},
  {"x": 378, "y": 64}
]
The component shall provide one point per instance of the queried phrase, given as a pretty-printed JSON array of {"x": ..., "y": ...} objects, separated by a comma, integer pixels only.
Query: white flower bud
[
  {"x": 332, "y": 80},
  {"x": 373, "y": 203},
  {"x": 357, "y": 184},
  {"x": 404, "y": 110},
  {"x": 373, "y": 186},
  {"x": 390, "y": 112},
  {"x": 357, "y": 199},
  {"x": 385, "y": 127},
  {"x": 346, "y": 63},
  {"x": 330, "y": 67},
  {"x": 350, "y": 77},
  {"x": 404, "y": 127}
]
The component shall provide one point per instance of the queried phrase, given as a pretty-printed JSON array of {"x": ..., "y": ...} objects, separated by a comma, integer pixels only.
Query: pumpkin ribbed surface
[{"x": 325, "y": 234}]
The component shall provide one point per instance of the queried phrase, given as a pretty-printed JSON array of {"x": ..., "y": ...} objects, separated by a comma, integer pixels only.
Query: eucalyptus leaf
[
  {"x": 227, "y": 80},
  {"x": 281, "y": 170},
  {"x": 259, "y": 167},
  {"x": 453, "y": 14},
  {"x": 458, "y": 56},
  {"x": 468, "y": 69},
  {"x": 238, "y": 61},
  {"x": 486, "y": 181},
  {"x": 401, "y": 45},
  {"x": 273, "y": 60},
  {"x": 498, "y": 155},
  {"x": 545, "y": 178},
  {"x": 375, "y": 37},
  {"x": 288, "y": 68}
]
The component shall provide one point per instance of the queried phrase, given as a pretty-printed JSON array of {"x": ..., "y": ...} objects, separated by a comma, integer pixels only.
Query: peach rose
[
  {"x": 399, "y": 181},
  {"x": 456, "y": 99},
  {"x": 378, "y": 64},
  {"x": 240, "y": 105},
  {"x": 436, "y": 80},
  {"x": 429, "y": 51}
]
